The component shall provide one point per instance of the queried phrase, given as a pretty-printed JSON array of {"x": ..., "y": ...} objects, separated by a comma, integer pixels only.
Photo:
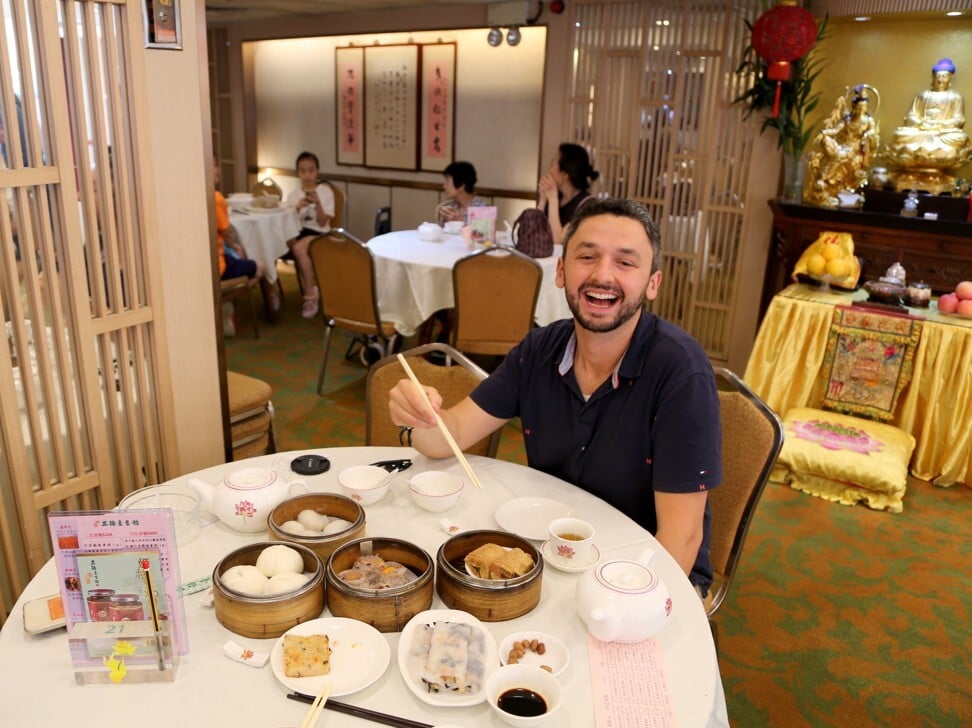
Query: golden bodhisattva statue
[
  {"x": 932, "y": 144},
  {"x": 842, "y": 151}
]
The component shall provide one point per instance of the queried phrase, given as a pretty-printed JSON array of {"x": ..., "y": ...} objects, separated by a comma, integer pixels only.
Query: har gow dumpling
[
  {"x": 294, "y": 528},
  {"x": 279, "y": 559},
  {"x": 285, "y": 582},
  {"x": 312, "y": 520},
  {"x": 336, "y": 525},
  {"x": 245, "y": 579}
]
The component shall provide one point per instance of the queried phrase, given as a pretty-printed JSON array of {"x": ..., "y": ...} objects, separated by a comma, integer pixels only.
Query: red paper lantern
[{"x": 780, "y": 36}]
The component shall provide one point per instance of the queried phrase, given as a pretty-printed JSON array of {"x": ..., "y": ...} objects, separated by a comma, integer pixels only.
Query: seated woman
[
  {"x": 565, "y": 187},
  {"x": 932, "y": 135},
  {"x": 459, "y": 186},
  {"x": 315, "y": 208},
  {"x": 841, "y": 153}
]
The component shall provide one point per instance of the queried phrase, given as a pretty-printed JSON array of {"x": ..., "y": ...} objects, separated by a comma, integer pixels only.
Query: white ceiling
[{"x": 231, "y": 11}]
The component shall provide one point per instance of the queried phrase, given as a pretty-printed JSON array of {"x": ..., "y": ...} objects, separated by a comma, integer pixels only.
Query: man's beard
[{"x": 625, "y": 311}]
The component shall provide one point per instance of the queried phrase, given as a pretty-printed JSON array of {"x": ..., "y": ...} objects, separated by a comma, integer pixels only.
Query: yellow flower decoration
[{"x": 124, "y": 647}]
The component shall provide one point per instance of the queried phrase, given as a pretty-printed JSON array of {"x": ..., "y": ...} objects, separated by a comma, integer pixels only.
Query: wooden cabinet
[{"x": 938, "y": 252}]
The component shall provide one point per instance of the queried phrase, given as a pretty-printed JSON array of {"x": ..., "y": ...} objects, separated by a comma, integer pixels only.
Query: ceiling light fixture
[
  {"x": 495, "y": 37},
  {"x": 513, "y": 37}
]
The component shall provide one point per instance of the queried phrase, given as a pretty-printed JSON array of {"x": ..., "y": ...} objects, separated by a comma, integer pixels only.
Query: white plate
[
  {"x": 359, "y": 656},
  {"x": 551, "y": 558},
  {"x": 529, "y": 517},
  {"x": 555, "y": 655},
  {"x": 261, "y": 209},
  {"x": 414, "y": 681}
]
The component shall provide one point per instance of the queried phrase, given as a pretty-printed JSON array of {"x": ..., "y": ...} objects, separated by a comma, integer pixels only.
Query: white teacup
[
  {"x": 453, "y": 227},
  {"x": 571, "y": 541}
]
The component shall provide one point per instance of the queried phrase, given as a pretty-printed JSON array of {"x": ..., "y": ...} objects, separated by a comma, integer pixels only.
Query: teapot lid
[
  {"x": 250, "y": 478},
  {"x": 626, "y": 577}
]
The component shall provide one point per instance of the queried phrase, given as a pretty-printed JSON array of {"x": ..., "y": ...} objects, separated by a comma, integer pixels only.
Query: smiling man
[{"x": 616, "y": 400}]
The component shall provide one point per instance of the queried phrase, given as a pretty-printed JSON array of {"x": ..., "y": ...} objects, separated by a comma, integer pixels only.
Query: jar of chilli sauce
[
  {"x": 126, "y": 608},
  {"x": 99, "y": 604}
]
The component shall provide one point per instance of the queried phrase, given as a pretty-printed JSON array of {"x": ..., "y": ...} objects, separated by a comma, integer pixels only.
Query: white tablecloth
[
  {"x": 211, "y": 690},
  {"x": 414, "y": 279},
  {"x": 264, "y": 234}
]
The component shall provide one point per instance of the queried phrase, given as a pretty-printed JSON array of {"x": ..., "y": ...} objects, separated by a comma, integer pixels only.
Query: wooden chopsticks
[
  {"x": 453, "y": 445},
  {"x": 317, "y": 707},
  {"x": 364, "y": 713}
]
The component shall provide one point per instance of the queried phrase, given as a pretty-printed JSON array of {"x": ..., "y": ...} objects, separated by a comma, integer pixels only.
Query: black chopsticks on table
[{"x": 363, "y": 713}]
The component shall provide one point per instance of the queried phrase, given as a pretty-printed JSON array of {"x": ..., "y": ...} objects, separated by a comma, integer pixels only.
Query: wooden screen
[
  {"x": 650, "y": 94},
  {"x": 79, "y": 354}
]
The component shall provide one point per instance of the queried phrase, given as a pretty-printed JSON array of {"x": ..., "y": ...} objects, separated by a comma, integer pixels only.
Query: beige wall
[
  {"x": 895, "y": 56},
  {"x": 179, "y": 124}
]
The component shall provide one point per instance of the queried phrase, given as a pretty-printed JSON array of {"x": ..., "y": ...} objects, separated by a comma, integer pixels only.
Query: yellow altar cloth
[{"x": 936, "y": 408}]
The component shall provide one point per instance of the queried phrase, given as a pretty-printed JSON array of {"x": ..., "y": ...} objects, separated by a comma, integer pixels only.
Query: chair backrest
[
  {"x": 454, "y": 382},
  {"x": 345, "y": 274},
  {"x": 383, "y": 221},
  {"x": 339, "y": 202},
  {"x": 496, "y": 292},
  {"x": 752, "y": 436}
]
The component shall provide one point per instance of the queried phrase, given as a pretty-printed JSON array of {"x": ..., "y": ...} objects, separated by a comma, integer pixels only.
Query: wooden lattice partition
[
  {"x": 80, "y": 373},
  {"x": 651, "y": 89}
]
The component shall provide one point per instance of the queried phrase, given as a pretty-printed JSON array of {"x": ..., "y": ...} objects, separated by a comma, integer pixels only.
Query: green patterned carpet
[{"x": 840, "y": 616}]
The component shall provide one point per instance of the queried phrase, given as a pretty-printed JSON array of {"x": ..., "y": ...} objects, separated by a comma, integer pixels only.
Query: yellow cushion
[{"x": 844, "y": 459}]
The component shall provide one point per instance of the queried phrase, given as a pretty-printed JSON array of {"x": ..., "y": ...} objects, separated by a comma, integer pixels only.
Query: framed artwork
[
  {"x": 437, "y": 142},
  {"x": 349, "y": 106},
  {"x": 163, "y": 29},
  {"x": 391, "y": 106}
]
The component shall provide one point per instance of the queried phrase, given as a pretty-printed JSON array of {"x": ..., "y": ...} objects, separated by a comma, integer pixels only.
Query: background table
[
  {"x": 784, "y": 369},
  {"x": 211, "y": 690},
  {"x": 264, "y": 234},
  {"x": 415, "y": 279}
]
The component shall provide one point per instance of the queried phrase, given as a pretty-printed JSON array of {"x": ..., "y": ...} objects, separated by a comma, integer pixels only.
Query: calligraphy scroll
[
  {"x": 349, "y": 106},
  {"x": 391, "y": 106},
  {"x": 438, "y": 106}
]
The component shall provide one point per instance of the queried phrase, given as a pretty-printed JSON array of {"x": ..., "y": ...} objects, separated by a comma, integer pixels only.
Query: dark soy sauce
[{"x": 522, "y": 702}]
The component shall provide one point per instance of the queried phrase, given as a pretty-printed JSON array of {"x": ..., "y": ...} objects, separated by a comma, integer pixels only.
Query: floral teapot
[
  {"x": 244, "y": 499},
  {"x": 623, "y": 601}
]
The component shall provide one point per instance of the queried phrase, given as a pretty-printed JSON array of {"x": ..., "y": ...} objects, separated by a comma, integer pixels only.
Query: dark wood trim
[{"x": 392, "y": 182}]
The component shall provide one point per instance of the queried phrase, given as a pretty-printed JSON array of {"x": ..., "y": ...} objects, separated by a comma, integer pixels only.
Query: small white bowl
[
  {"x": 364, "y": 484},
  {"x": 453, "y": 227},
  {"x": 555, "y": 654},
  {"x": 528, "y": 677},
  {"x": 435, "y": 490}
]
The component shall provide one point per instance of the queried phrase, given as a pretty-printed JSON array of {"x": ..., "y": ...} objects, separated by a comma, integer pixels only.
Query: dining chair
[
  {"x": 454, "y": 381},
  {"x": 752, "y": 436},
  {"x": 383, "y": 221},
  {"x": 344, "y": 270},
  {"x": 496, "y": 291},
  {"x": 235, "y": 290}
]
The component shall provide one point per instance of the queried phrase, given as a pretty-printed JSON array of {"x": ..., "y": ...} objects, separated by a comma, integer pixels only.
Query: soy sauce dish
[{"x": 523, "y": 695}]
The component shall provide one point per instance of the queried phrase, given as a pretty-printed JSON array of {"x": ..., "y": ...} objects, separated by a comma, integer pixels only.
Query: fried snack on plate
[
  {"x": 515, "y": 562},
  {"x": 479, "y": 560},
  {"x": 306, "y": 656}
]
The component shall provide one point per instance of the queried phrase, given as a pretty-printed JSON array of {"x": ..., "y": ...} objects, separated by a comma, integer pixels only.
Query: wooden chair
[
  {"x": 251, "y": 416},
  {"x": 752, "y": 436},
  {"x": 238, "y": 289},
  {"x": 496, "y": 292},
  {"x": 454, "y": 381},
  {"x": 344, "y": 269}
]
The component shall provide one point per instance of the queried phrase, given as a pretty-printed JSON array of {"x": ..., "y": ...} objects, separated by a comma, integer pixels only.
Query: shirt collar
[{"x": 628, "y": 366}]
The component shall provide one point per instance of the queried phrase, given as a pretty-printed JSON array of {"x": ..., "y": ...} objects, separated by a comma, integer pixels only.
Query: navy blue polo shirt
[{"x": 654, "y": 425}]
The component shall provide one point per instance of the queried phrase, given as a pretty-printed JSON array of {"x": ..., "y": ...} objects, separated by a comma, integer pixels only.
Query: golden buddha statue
[
  {"x": 842, "y": 151},
  {"x": 931, "y": 144}
]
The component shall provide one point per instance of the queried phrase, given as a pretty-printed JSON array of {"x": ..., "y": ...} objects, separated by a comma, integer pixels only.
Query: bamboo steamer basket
[
  {"x": 328, "y": 504},
  {"x": 387, "y": 610},
  {"x": 267, "y": 616},
  {"x": 490, "y": 600}
]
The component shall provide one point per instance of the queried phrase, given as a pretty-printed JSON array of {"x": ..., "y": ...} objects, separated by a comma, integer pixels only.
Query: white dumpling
[
  {"x": 278, "y": 559},
  {"x": 293, "y": 527},
  {"x": 245, "y": 579},
  {"x": 285, "y": 582},
  {"x": 312, "y": 520},
  {"x": 336, "y": 526}
]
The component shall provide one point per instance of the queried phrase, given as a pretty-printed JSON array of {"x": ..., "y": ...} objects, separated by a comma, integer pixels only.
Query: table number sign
[
  {"x": 629, "y": 685},
  {"x": 119, "y": 581}
]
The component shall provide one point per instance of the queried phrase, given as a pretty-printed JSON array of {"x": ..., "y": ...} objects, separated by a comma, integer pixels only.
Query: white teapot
[
  {"x": 623, "y": 601},
  {"x": 429, "y": 231},
  {"x": 244, "y": 499}
]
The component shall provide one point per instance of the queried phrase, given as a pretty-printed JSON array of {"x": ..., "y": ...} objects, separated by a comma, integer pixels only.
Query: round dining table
[
  {"x": 211, "y": 689},
  {"x": 414, "y": 279},
  {"x": 264, "y": 233}
]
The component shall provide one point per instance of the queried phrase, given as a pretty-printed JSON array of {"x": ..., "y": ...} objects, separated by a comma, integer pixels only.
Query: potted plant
[{"x": 797, "y": 100}]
